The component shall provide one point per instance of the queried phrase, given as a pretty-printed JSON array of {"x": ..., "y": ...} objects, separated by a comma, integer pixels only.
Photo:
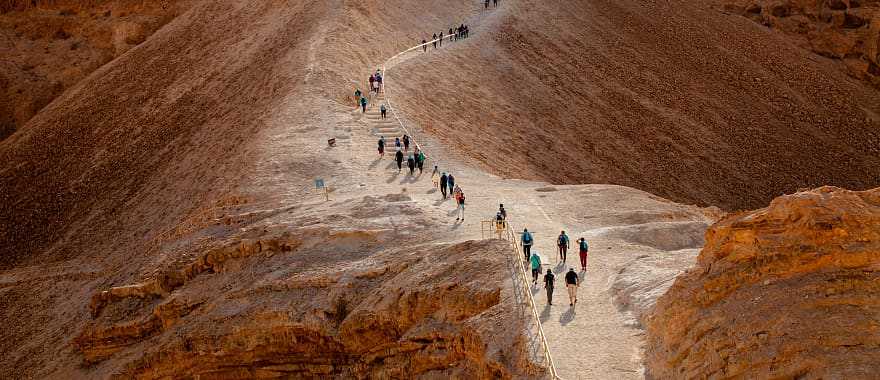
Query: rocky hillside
[
  {"x": 845, "y": 30},
  {"x": 788, "y": 291},
  {"x": 678, "y": 98},
  {"x": 58, "y": 43}
]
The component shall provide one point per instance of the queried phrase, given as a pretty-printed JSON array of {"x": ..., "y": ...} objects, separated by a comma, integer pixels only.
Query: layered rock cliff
[{"x": 788, "y": 291}]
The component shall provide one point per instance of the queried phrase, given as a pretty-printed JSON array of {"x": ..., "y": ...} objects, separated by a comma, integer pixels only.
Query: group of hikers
[
  {"x": 453, "y": 34},
  {"x": 486, "y": 3},
  {"x": 375, "y": 85},
  {"x": 572, "y": 281},
  {"x": 446, "y": 183},
  {"x": 415, "y": 159}
]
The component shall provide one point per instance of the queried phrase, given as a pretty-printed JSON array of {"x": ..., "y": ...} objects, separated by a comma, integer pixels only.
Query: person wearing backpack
[
  {"x": 549, "y": 280},
  {"x": 562, "y": 243},
  {"x": 411, "y": 163},
  {"x": 399, "y": 158},
  {"x": 372, "y": 82},
  {"x": 363, "y": 104},
  {"x": 450, "y": 181},
  {"x": 420, "y": 161},
  {"x": 535, "y": 261},
  {"x": 405, "y": 143},
  {"x": 384, "y": 111},
  {"x": 572, "y": 282},
  {"x": 357, "y": 97},
  {"x": 584, "y": 249},
  {"x": 459, "y": 197},
  {"x": 526, "y": 240}
]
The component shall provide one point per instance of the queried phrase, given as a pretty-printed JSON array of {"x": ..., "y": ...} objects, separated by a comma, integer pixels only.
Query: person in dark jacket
[
  {"x": 399, "y": 158},
  {"x": 549, "y": 278},
  {"x": 572, "y": 282},
  {"x": 411, "y": 163},
  {"x": 444, "y": 179},
  {"x": 450, "y": 181}
]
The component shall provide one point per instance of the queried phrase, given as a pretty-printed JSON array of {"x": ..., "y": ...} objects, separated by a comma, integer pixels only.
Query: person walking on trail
[
  {"x": 421, "y": 161},
  {"x": 435, "y": 177},
  {"x": 405, "y": 143},
  {"x": 527, "y": 241},
  {"x": 424, "y": 45},
  {"x": 494, "y": 3},
  {"x": 357, "y": 97},
  {"x": 572, "y": 282},
  {"x": 584, "y": 250},
  {"x": 399, "y": 158},
  {"x": 397, "y": 143},
  {"x": 450, "y": 181},
  {"x": 486, "y": 4},
  {"x": 535, "y": 260},
  {"x": 384, "y": 111},
  {"x": 563, "y": 244},
  {"x": 453, "y": 35},
  {"x": 411, "y": 163},
  {"x": 434, "y": 40},
  {"x": 382, "y": 147},
  {"x": 441, "y": 40},
  {"x": 502, "y": 211},
  {"x": 372, "y": 82},
  {"x": 363, "y": 104},
  {"x": 459, "y": 199},
  {"x": 378, "y": 82},
  {"x": 443, "y": 183},
  {"x": 549, "y": 280}
]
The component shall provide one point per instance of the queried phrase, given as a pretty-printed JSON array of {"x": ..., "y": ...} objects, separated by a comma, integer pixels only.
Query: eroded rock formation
[{"x": 788, "y": 291}]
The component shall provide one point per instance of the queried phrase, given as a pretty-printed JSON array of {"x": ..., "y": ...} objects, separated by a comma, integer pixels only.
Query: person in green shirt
[{"x": 536, "y": 267}]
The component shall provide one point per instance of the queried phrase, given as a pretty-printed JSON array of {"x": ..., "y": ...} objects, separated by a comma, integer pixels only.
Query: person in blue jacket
[{"x": 526, "y": 240}]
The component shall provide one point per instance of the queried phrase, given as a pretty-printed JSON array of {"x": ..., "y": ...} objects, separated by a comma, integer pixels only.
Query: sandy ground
[{"x": 593, "y": 339}]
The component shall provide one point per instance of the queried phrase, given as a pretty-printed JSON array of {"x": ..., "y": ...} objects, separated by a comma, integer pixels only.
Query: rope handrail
[{"x": 511, "y": 236}]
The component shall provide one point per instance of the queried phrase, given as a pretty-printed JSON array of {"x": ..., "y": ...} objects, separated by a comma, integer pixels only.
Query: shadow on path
[{"x": 567, "y": 316}]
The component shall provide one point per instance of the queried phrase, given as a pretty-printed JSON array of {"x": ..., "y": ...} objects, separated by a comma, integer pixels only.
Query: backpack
[
  {"x": 527, "y": 238},
  {"x": 562, "y": 239},
  {"x": 461, "y": 198},
  {"x": 584, "y": 245}
]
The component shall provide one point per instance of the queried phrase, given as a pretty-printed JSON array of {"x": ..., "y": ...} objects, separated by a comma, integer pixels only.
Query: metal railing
[{"x": 522, "y": 283}]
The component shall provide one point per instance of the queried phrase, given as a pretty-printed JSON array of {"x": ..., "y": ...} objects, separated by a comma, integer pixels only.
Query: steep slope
[
  {"x": 51, "y": 45},
  {"x": 677, "y": 98},
  {"x": 788, "y": 291}
]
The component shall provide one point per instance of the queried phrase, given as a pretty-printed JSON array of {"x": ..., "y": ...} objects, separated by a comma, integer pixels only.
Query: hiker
[
  {"x": 363, "y": 104},
  {"x": 424, "y": 45},
  {"x": 378, "y": 82},
  {"x": 411, "y": 163},
  {"x": 495, "y": 3},
  {"x": 562, "y": 243},
  {"x": 441, "y": 40},
  {"x": 397, "y": 143},
  {"x": 499, "y": 224},
  {"x": 372, "y": 82},
  {"x": 420, "y": 161},
  {"x": 453, "y": 35},
  {"x": 536, "y": 267},
  {"x": 572, "y": 282},
  {"x": 502, "y": 211},
  {"x": 467, "y": 31},
  {"x": 549, "y": 279},
  {"x": 357, "y": 97},
  {"x": 526, "y": 240},
  {"x": 435, "y": 177},
  {"x": 450, "y": 181},
  {"x": 383, "y": 110},
  {"x": 399, "y": 158},
  {"x": 382, "y": 147},
  {"x": 375, "y": 87},
  {"x": 405, "y": 143},
  {"x": 443, "y": 183},
  {"x": 486, "y": 4},
  {"x": 459, "y": 199},
  {"x": 434, "y": 40},
  {"x": 584, "y": 250}
]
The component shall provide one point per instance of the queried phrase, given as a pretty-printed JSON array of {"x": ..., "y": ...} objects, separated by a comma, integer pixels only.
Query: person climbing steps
[
  {"x": 459, "y": 199},
  {"x": 399, "y": 158},
  {"x": 562, "y": 244},
  {"x": 535, "y": 261},
  {"x": 383, "y": 111},
  {"x": 382, "y": 147},
  {"x": 444, "y": 182}
]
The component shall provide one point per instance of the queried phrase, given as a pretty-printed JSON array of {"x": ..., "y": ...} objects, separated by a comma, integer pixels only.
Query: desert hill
[{"x": 160, "y": 218}]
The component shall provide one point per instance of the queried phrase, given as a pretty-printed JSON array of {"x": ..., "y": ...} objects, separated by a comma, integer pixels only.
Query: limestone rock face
[{"x": 788, "y": 291}]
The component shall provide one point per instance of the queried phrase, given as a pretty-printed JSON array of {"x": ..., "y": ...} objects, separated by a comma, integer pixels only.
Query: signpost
[{"x": 319, "y": 185}]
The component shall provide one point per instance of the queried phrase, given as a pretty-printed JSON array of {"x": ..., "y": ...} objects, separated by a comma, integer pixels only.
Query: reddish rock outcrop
[{"x": 788, "y": 291}]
